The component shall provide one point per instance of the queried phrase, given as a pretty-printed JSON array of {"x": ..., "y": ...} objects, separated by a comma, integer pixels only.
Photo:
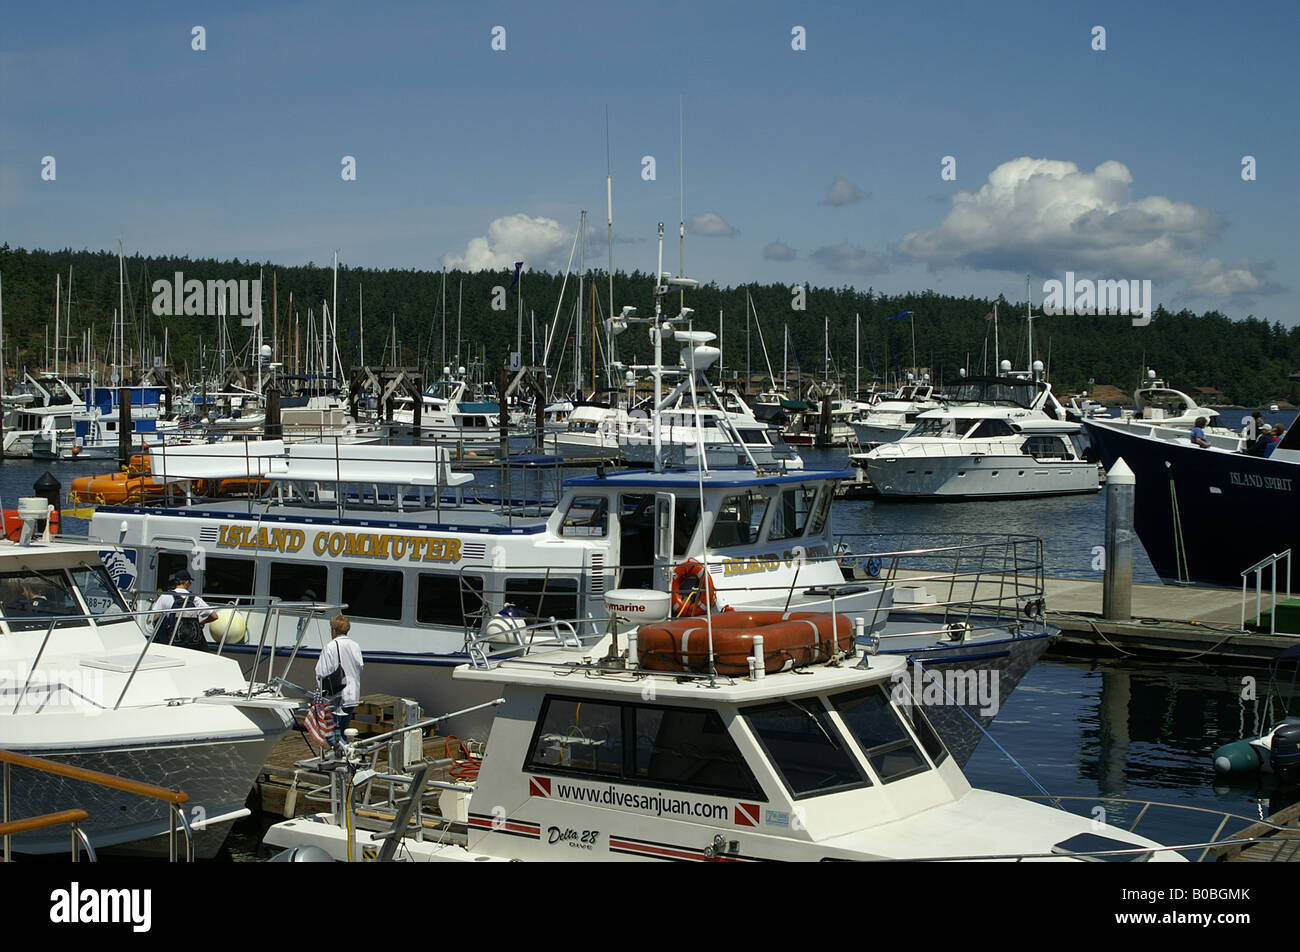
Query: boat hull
[
  {"x": 1234, "y": 510},
  {"x": 979, "y": 476},
  {"x": 992, "y": 665},
  {"x": 218, "y": 774}
]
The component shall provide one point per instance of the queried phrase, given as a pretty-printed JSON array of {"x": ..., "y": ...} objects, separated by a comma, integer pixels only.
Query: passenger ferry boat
[
  {"x": 996, "y": 437},
  {"x": 83, "y": 686},
  {"x": 625, "y": 753}
]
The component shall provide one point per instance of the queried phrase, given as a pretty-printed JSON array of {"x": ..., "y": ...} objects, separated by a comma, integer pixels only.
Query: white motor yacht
[{"x": 996, "y": 437}]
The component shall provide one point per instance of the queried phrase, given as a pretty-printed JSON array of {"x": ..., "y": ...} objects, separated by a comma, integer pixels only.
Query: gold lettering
[{"x": 320, "y": 543}]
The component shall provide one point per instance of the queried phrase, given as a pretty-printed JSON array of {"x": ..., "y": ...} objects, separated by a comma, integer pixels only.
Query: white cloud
[
  {"x": 1047, "y": 217},
  {"x": 850, "y": 259},
  {"x": 538, "y": 242},
  {"x": 778, "y": 251},
  {"x": 842, "y": 192},
  {"x": 711, "y": 225}
]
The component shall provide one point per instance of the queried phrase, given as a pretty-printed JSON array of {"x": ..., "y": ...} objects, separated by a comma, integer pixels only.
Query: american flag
[
  {"x": 320, "y": 721},
  {"x": 988, "y": 316}
]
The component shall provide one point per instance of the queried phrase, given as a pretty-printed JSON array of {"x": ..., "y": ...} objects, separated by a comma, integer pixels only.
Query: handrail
[
  {"x": 43, "y": 822},
  {"x": 94, "y": 776},
  {"x": 1268, "y": 562},
  {"x": 173, "y": 798},
  {"x": 48, "y": 820}
]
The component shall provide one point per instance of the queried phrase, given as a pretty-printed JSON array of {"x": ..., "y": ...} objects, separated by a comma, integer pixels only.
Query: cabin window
[
  {"x": 686, "y": 516},
  {"x": 914, "y": 715},
  {"x": 30, "y": 598},
  {"x": 297, "y": 581},
  {"x": 794, "y": 506},
  {"x": 988, "y": 429},
  {"x": 444, "y": 599},
  {"x": 666, "y": 748},
  {"x": 544, "y": 597},
  {"x": 103, "y": 599},
  {"x": 876, "y": 727},
  {"x": 689, "y": 749},
  {"x": 754, "y": 437},
  {"x": 169, "y": 563},
  {"x": 226, "y": 576},
  {"x": 587, "y": 516},
  {"x": 372, "y": 593},
  {"x": 739, "y": 519},
  {"x": 934, "y": 427},
  {"x": 805, "y": 747},
  {"x": 1047, "y": 447},
  {"x": 580, "y": 736}
]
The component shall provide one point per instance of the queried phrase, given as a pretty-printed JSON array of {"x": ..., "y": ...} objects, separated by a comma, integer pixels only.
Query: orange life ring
[
  {"x": 689, "y": 603},
  {"x": 790, "y": 639}
]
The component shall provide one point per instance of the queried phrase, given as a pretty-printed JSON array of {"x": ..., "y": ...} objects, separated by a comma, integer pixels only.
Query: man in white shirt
[
  {"x": 176, "y": 606},
  {"x": 342, "y": 652}
]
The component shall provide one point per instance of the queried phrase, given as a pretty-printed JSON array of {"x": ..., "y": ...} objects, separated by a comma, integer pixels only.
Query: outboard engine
[{"x": 1285, "y": 755}]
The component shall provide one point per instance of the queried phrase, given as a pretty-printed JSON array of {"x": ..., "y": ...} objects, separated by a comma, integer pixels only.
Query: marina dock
[{"x": 1169, "y": 622}]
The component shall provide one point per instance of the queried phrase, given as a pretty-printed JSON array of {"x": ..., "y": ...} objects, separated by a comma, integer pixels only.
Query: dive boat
[
  {"x": 621, "y": 752},
  {"x": 85, "y": 687},
  {"x": 995, "y": 437}
]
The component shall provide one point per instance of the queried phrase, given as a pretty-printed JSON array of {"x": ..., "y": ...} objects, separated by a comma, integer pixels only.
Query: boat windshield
[
  {"x": 805, "y": 747},
  {"x": 878, "y": 730},
  {"x": 29, "y": 598}
]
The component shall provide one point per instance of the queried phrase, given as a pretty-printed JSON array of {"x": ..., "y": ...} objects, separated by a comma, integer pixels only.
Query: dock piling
[{"x": 1117, "y": 583}]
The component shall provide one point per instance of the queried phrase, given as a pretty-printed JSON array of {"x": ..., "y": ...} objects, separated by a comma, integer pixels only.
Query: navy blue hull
[{"x": 1233, "y": 510}]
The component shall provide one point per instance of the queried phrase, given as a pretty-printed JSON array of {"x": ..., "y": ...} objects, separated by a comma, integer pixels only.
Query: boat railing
[
  {"x": 1220, "y": 844},
  {"x": 174, "y": 799},
  {"x": 968, "y": 579},
  {"x": 1267, "y": 564},
  {"x": 257, "y": 614}
]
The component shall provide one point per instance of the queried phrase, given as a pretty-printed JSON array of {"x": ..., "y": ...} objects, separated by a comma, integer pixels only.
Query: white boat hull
[{"x": 984, "y": 477}]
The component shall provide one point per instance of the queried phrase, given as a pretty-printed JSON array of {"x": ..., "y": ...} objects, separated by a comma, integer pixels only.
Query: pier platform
[{"x": 1169, "y": 622}]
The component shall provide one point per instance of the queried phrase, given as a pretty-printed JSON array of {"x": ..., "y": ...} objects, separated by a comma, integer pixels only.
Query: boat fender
[
  {"x": 503, "y": 628},
  {"x": 687, "y": 600}
]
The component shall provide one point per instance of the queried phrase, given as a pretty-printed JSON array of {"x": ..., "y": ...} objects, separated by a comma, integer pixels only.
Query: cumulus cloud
[
  {"x": 850, "y": 259},
  {"x": 778, "y": 251},
  {"x": 538, "y": 242},
  {"x": 843, "y": 192},
  {"x": 711, "y": 225},
  {"x": 1046, "y": 217}
]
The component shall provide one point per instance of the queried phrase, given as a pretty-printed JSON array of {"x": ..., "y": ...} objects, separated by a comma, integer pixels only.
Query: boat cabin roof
[{"x": 557, "y": 670}]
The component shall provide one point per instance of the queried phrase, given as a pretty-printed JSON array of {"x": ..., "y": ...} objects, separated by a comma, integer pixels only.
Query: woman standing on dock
[{"x": 342, "y": 654}]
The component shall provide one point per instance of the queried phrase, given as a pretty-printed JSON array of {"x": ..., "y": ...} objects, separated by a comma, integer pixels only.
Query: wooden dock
[{"x": 1275, "y": 847}]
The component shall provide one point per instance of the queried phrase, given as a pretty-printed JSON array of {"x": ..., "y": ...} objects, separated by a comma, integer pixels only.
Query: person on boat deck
[
  {"x": 1198, "y": 432},
  {"x": 1278, "y": 432},
  {"x": 342, "y": 652},
  {"x": 1251, "y": 427},
  {"x": 180, "y": 605}
]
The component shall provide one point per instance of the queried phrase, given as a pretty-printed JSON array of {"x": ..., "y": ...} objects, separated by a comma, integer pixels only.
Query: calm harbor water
[{"x": 1087, "y": 728}]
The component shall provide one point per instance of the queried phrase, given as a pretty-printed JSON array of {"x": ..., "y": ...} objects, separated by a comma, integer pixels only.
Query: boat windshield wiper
[{"x": 816, "y": 722}]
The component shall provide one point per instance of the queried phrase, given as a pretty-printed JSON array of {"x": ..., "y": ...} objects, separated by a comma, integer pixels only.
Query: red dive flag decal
[
  {"x": 539, "y": 786},
  {"x": 746, "y": 814}
]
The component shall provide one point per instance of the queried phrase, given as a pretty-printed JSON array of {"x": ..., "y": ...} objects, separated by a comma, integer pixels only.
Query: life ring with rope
[{"x": 689, "y": 581}]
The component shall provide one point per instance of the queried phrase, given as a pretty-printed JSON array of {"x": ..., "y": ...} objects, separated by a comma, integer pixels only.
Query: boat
[
  {"x": 601, "y": 755},
  {"x": 438, "y": 566},
  {"x": 994, "y": 438},
  {"x": 448, "y": 415},
  {"x": 1205, "y": 515},
  {"x": 1275, "y": 749},
  {"x": 84, "y": 687},
  {"x": 893, "y": 417}
]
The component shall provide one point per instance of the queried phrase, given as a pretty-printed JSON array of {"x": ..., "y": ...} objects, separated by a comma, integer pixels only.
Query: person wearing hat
[
  {"x": 1265, "y": 440},
  {"x": 179, "y": 617}
]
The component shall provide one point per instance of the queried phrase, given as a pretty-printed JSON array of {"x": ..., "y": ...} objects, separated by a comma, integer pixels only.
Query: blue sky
[{"x": 466, "y": 155}]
